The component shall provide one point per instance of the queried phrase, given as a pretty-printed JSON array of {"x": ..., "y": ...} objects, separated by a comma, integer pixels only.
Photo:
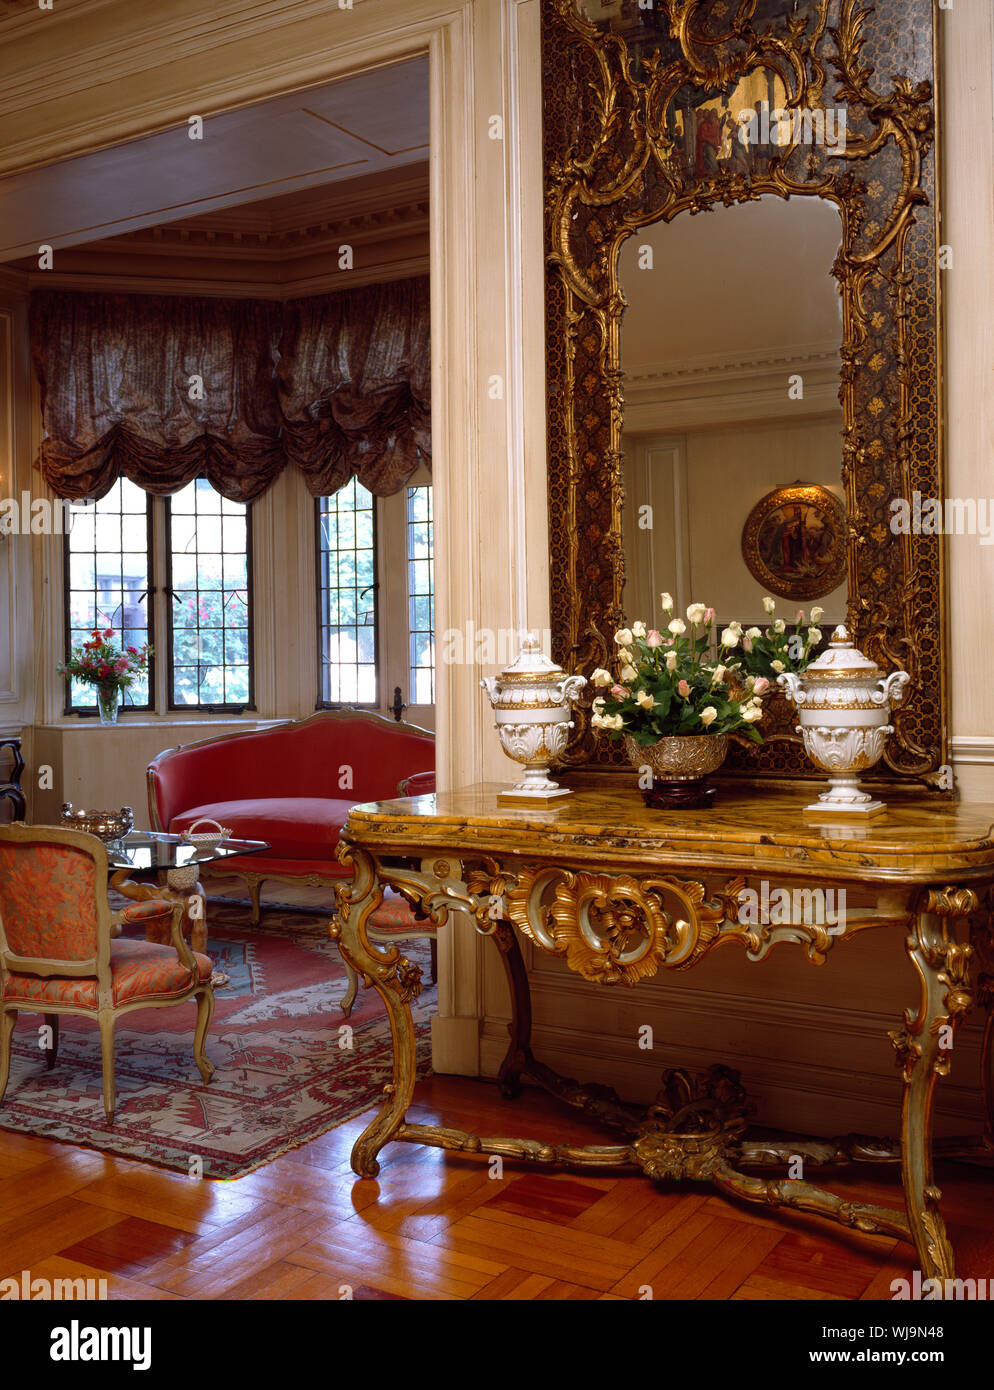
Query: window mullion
[{"x": 163, "y": 627}]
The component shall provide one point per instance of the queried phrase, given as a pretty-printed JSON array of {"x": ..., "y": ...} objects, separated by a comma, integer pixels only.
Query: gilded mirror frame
[{"x": 609, "y": 171}]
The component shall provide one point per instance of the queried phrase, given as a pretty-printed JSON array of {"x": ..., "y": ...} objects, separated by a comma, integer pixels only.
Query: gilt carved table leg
[
  {"x": 397, "y": 981},
  {"x": 923, "y": 1051}
]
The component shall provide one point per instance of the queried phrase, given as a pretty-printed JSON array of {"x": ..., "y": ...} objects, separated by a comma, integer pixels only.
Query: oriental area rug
[{"x": 283, "y": 1075}]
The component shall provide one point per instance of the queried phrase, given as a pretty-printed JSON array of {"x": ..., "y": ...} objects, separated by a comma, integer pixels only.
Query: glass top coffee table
[{"x": 154, "y": 851}]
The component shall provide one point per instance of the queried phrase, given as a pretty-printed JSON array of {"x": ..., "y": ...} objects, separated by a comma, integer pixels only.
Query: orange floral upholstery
[
  {"x": 394, "y": 914},
  {"x": 55, "y": 915},
  {"x": 48, "y": 901},
  {"x": 139, "y": 970}
]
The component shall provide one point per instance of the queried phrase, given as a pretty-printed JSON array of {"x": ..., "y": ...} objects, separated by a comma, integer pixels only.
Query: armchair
[{"x": 59, "y": 955}]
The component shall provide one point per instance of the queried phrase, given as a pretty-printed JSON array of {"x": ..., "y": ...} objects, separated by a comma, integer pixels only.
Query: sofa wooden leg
[{"x": 255, "y": 882}]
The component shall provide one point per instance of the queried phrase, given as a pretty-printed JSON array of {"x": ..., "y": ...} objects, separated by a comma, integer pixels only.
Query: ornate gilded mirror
[{"x": 742, "y": 335}]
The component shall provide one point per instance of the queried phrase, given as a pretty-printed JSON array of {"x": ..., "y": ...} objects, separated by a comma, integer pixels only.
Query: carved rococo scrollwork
[
  {"x": 613, "y": 166},
  {"x": 943, "y": 966},
  {"x": 621, "y": 928}
]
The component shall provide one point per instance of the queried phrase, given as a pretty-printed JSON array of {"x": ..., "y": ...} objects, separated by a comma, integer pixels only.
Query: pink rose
[
  {"x": 760, "y": 686},
  {"x": 620, "y": 692},
  {"x": 654, "y": 638},
  {"x": 683, "y": 689},
  {"x": 709, "y": 615},
  {"x": 800, "y": 616},
  {"x": 747, "y": 644}
]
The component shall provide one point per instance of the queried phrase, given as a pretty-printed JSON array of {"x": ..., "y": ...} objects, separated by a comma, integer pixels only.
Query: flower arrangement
[
  {"x": 97, "y": 662},
  {"x": 776, "y": 650},
  {"x": 668, "y": 686}
]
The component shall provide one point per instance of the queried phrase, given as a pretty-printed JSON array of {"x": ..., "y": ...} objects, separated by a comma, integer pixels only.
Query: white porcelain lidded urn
[
  {"x": 844, "y": 703},
  {"x": 531, "y": 703}
]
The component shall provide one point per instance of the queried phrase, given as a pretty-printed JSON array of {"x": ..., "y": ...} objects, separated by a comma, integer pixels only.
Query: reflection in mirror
[{"x": 730, "y": 355}]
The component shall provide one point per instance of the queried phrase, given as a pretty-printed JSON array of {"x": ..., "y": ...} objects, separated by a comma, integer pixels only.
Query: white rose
[
  {"x": 598, "y": 704},
  {"x": 627, "y": 656},
  {"x": 601, "y": 677},
  {"x": 695, "y": 613},
  {"x": 753, "y": 633},
  {"x": 718, "y": 674},
  {"x": 597, "y": 720},
  {"x": 769, "y": 604},
  {"x": 751, "y": 714},
  {"x": 616, "y": 721},
  {"x": 778, "y": 666},
  {"x": 817, "y": 614},
  {"x": 666, "y": 600},
  {"x": 678, "y": 627},
  {"x": 644, "y": 699},
  {"x": 628, "y": 674},
  {"x": 814, "y": 634},
  {"x": 671, "y": 659},
  {"x": 729, "y": 638},
  {"x": 638, "y": 629},
  {"x": 779, "y": 625},
  {"x": 623, "y": 637},
  {"x": 709, "y": 715}
]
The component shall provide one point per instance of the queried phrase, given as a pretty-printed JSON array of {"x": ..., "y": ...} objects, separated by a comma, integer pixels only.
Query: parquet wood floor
[{"x": 438, "y": 1226}]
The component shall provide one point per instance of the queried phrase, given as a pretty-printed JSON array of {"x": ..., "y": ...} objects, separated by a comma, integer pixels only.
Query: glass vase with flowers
[{"x": 108, "y": 668}]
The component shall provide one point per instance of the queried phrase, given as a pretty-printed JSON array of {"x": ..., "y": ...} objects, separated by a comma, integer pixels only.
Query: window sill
[{"x": 164, "y": 722}]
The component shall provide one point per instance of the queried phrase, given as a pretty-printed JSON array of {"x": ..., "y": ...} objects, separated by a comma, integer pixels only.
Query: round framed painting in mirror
[{"x": 794, "y": 542}]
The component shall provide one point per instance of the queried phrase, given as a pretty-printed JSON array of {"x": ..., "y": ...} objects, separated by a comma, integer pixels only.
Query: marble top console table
[{"x": 622, "y": 892}]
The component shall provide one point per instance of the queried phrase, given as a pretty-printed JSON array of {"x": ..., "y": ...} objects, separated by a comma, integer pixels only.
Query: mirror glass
[{"x": 732, "y": 421}]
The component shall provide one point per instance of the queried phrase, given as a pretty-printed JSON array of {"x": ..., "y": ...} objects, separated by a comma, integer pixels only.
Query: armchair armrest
[
  {"x": 179, "y": 940},
  {"x": 158, "y": 907}
]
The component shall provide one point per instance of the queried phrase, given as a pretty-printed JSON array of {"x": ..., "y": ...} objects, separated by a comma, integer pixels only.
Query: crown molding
[
  {"x": 717, "y": 389},
  {"x": 234, "y": 236},
  {"x": 327, "y": 283},
  {"x": 729, "y": 365}
]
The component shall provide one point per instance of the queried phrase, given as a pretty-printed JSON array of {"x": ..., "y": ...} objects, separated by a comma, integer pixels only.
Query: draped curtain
[
  {"x": 354, "y": 386},
  {"x": 163, "y": 389}
]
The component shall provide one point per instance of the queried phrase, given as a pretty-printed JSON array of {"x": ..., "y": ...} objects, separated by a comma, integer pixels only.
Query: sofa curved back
[{"x": 354, "y": 757}]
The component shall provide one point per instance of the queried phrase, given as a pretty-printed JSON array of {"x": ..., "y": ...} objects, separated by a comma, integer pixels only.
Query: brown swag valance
[
  {"x": 354, "y": 387},
  {"x": 163, "y": 389}
]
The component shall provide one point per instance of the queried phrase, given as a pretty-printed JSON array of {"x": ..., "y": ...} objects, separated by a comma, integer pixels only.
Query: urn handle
[
  {"x": 489, "y": 684},
  {"x": 891, "y": 688},
  {"x": 569, "y": 688},
  {"x": 790, "y": 682}
]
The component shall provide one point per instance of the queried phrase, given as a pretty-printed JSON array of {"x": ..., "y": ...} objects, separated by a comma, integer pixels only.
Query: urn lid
[
  {"x": 530, "y": 666},
  {"x": 842, "y": 659}
]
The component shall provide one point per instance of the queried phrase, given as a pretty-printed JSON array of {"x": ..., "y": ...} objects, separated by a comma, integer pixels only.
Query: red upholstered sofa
[{"x": 292, "y": 785}]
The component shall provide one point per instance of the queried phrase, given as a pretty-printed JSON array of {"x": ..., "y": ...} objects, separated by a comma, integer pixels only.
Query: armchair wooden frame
[{"x": 107, "y": 1012}]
